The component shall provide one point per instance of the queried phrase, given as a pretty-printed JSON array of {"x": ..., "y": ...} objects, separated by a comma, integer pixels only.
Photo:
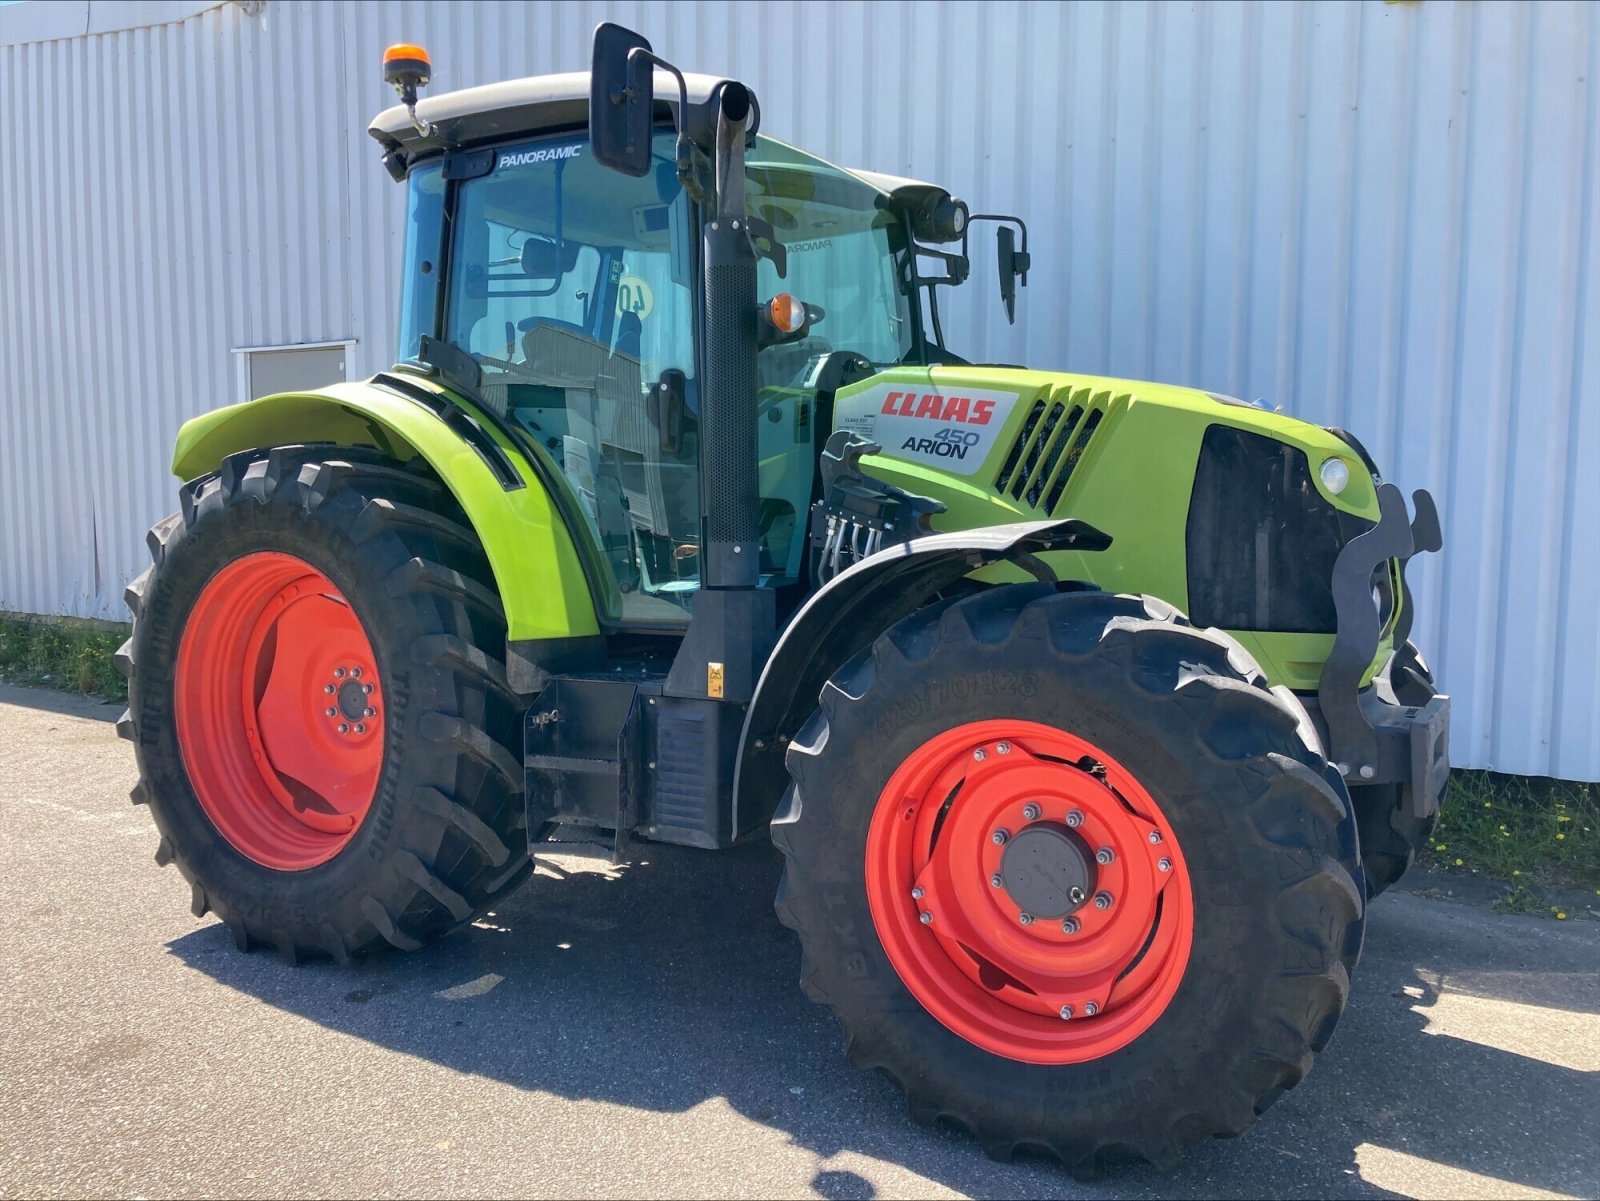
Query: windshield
[
  {"x": 595, "y": 233},
  {"x": 842, "y": 241},
  {"x": 552, "y": 243}
]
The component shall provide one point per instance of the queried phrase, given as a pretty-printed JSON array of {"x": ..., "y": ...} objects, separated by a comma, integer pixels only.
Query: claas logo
[{"x": 961, "y": 409}]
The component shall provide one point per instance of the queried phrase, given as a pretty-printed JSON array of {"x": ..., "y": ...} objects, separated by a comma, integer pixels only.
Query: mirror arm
[{"x": 685, "y": 148}]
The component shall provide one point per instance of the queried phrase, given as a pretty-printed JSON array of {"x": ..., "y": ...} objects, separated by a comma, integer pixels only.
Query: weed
[
  {"x": 62, "y": 654},
  {"x": 1531, "y": 831}
]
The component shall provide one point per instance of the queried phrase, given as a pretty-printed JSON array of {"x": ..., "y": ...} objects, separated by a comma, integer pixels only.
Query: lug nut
[
  {"x": 328, "y": 688},
  {"x": 369, "y": 712},
  {"x": 1090, "y": 1009},
  {"x": 1155, "y": 837},
  {"x": 1165, "y": 865},
  {"x": 355, "y": 673},
  {"x": 1025, "y": 918},
  {"x": 1075, "y": 819},
  {"x": 925, "y": 917},
  {"x": 331, "y": 711},
  {"x": 1031, "y": 811},
  {"x": 1003, "y": 748},
  {"x": 999, "y": 837},
  {"x": 361, "y": 727},
  {"x": 995, "y": 881},
  {"x": 1069, "y": 926},
  {"x": 367, "y": 688},
  {"x": 1102, "y": 900},
  {"x": 344, "y": 727},
  {"x": 916, "y": 893},
  {"x": 1103, "y": 856},
  {"x": 1066, "y": 1013},
  {"x": 980, "y": 754},
  {"x": 338, "y": 673}
]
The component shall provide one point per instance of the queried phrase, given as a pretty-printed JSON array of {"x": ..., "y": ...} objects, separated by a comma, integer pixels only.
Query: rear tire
[
  {"x": 1259, "y": 827},
  {"x": 439, "y": 827}
]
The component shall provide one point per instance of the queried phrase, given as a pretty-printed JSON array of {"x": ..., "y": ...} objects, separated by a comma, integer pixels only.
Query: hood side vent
[
  {"x": 1074, "y": 456},
  {"x": 1051, "y": 459},
  {"x": 1014, "y": 455}
]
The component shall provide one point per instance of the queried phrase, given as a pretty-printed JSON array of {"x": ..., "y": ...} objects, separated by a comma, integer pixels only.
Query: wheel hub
[
  {"x": 353, "y": 700},
  {"x": 1029, "y": 892},
  {"x": 1047, "y": 870}
]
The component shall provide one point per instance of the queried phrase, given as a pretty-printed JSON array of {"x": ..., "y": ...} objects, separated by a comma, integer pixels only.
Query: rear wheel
[
  {"x": 1070, "y": 873},
  {"x": 322, "y": 722}
]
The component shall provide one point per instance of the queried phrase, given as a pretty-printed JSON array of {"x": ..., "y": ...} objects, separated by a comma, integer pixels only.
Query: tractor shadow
[
  {"x": 65, "y": 704},
  {"x": 670, "y": 982}
]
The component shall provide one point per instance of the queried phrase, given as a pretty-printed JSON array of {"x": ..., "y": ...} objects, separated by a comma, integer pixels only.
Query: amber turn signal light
[{"x": 787, "y": 314}]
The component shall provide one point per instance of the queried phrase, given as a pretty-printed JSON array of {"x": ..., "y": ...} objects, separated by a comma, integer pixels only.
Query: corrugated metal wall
[{"x": 1376, "y": 215}]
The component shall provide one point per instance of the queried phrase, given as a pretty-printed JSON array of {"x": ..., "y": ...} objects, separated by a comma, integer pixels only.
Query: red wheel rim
[
  {"x": 279, "y": 711},
  {"x": 990, "y": 817}
]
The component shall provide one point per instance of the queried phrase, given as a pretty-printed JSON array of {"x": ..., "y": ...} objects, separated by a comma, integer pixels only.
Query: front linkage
[{"x": 1372, "y": 739}]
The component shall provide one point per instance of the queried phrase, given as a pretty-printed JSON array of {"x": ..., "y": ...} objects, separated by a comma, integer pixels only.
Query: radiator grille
[
  {"x": 1261, "y": 540},
  {"x": 1053, "y": 439}
]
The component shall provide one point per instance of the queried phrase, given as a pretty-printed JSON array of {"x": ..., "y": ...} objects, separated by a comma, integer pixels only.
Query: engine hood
[
  {"x": 1018, "y": 443},
  {"x": 998, "y": 445}
]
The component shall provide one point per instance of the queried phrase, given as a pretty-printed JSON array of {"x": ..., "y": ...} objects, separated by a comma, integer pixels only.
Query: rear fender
[
  {"x": 847, "y": 614},
  {"x": 530, "y": 547}
]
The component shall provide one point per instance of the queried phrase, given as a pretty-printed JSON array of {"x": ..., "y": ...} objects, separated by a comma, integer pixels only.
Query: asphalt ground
[{"x": 640, "y": 1032}]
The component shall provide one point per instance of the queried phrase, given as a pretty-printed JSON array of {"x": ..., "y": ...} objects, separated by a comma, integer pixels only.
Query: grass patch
[
  {"x": 74, "y": 656},
  {"x": 1533, "y": 832}
]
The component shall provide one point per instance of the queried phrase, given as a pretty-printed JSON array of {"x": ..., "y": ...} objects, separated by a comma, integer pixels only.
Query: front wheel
[{"x": 1070, "y": 873}]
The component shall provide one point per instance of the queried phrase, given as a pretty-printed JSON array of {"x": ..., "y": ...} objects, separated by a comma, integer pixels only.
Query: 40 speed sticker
[{"x": 953, "y": 430}]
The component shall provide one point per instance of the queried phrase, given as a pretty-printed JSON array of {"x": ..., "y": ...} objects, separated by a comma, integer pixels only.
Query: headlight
[{"x": 1335, "y": 475}]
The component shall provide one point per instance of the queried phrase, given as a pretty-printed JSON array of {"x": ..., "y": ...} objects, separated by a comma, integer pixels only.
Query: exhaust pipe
[{"x": 729, "y": 480}]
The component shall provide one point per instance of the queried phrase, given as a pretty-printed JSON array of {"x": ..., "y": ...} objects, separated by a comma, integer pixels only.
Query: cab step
[{"x": 621, "y": 756}]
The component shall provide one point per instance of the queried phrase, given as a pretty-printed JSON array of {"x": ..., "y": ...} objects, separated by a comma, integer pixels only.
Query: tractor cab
[{"x": 574, "y": 289}]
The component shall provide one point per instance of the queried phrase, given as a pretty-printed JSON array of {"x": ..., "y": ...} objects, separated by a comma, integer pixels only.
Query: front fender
[
  {"x": 537, "y": 567},
  {"x": 847, "y": 613}
]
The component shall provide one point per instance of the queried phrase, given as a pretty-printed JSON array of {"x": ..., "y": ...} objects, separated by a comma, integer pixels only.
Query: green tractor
[{"x": 1082, "y": 710}]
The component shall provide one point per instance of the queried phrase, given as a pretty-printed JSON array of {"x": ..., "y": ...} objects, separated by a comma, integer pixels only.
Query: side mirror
[
  {"x": 1014, "y": 265},
  {"x": 621, "y": 99}
]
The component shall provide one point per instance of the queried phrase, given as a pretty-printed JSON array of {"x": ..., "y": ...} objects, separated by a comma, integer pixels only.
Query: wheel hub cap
[{"x": 1047, "y": 870}]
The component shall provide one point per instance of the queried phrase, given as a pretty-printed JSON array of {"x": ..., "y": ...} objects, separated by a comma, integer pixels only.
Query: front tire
[
  {"x": 1232, "y": 853},
  {"x": 321, "y": 718}
]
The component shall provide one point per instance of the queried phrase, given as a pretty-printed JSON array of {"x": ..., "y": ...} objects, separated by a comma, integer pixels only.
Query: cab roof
[
  {"x": 546, "y": 103},
  {"x": 528, "y": 107}
]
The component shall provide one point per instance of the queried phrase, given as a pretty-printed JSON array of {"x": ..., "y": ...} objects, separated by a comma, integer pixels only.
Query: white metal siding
[{"x": 1376, "y": 215}]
